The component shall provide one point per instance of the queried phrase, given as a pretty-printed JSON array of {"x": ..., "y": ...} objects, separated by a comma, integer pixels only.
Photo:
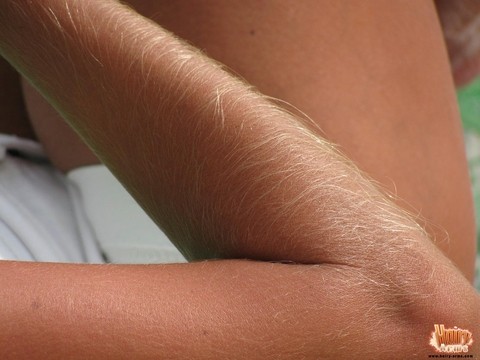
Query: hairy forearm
[
  {"x": 222, "y": 170},
  {"x": 223, "y": 309},
  {"x": 226, "y": 174},
  {"x": 211, "y": 310}
]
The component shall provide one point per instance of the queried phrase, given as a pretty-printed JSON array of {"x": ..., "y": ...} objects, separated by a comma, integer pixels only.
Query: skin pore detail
[
  {"x": 276, "y": 192},
  {"x": 278, "y": 311}
]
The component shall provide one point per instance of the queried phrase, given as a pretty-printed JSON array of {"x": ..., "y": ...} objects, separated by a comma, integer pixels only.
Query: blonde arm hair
[{"x": 227, "y": 175}]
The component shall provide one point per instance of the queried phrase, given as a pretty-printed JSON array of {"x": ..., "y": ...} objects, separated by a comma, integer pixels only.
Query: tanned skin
[
  {"x": 372, "y": 284},
  {"x": 371, "y": 84}
]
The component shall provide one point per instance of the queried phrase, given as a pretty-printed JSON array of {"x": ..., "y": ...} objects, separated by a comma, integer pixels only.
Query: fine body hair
[{"x": 224, "y": 171}]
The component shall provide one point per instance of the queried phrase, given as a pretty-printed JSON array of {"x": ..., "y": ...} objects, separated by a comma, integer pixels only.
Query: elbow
[{"x": 440, "y": 316}]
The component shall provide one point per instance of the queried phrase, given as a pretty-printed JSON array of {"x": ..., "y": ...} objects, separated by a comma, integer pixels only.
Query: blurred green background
[{"x": 469, "y": 103}]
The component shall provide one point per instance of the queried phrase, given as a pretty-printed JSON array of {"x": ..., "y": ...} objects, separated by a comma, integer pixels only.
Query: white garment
[
  {"x": 122, "y": 229},
  {"x": 45, "y": 216},
  {"x": 37, "y": 221}
]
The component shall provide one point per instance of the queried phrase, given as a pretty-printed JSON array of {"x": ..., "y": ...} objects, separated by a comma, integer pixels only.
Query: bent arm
[
  {"x": 226, "y": 174},
  {"x": 223, "y": 171},
  {"x": 372, "y": 74},
  {"x": 210, "y": 310},
  {"x": 221, "y": 309},
  {"x": 362, "y": 72}
]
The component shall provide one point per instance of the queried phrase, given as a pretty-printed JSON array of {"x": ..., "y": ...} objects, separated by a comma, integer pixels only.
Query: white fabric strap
[
  {"x": 37, "y": 220},
  {"x": 122, "y": 229}
]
